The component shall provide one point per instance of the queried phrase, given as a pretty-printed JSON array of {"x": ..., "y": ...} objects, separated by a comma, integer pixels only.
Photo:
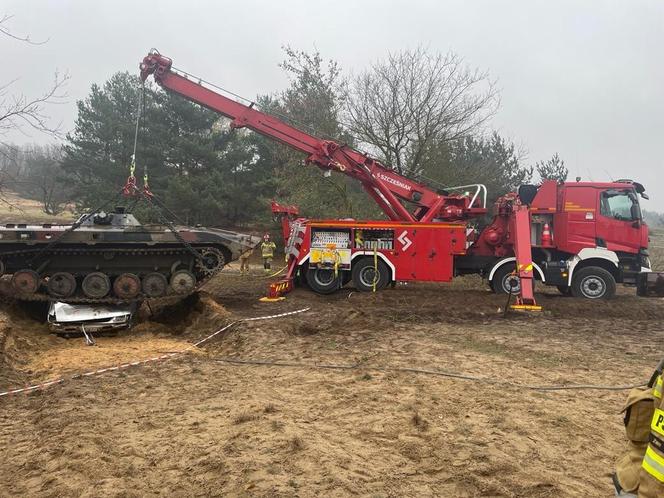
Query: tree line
[{"x": 423, "y": 113}]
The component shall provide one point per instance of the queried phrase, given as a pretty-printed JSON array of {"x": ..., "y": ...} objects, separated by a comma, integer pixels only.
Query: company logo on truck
[
  {"x": 403, "y": 238},
  {"x": 394, "y": 181}
]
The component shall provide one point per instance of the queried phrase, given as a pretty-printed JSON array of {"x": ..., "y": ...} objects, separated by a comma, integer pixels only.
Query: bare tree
[
  {"x": 19, "y": 111},
  {"x": 42, "y": 178},
  {"x": 4, "y": 20},
  {"x": 415, "y": 99}
]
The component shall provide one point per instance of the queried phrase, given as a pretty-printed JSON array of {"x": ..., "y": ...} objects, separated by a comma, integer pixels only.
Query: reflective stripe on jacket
[
  {"x": 267, "y": 249},
  {"x": 651, "y": 479}
]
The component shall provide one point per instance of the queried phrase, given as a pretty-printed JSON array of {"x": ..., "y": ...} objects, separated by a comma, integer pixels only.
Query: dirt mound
[{"x": 21, "y": 336}]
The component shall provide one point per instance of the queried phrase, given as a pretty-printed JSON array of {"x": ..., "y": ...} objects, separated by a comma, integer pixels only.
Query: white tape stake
[{"x": 143, "y": 362}]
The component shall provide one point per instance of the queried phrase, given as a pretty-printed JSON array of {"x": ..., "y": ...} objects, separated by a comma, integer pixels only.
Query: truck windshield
[{"x": 620, "y": 205}]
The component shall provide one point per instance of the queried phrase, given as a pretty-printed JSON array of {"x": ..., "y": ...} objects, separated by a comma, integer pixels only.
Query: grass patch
[
  {"x": 244, "y": 417},
  {"x": 295, "y": 444},
  {"x": 419, "y": 422}
]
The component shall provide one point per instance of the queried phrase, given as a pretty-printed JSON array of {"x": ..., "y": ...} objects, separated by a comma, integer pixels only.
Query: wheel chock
[{"x": 267, "y": 299}]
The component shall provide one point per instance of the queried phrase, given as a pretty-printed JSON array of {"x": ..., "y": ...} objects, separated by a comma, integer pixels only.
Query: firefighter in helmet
[
  {"x": 267, "y": 252},
  {"x": 640, "y": 470},
  {"x": 244, "y": 261}
]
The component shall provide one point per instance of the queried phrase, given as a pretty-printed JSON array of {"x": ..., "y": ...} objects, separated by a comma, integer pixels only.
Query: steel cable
[{"x": 455, "y": 375}]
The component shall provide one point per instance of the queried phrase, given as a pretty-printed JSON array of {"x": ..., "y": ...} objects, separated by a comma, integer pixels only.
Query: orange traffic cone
[{"x": 547, "y": 241}]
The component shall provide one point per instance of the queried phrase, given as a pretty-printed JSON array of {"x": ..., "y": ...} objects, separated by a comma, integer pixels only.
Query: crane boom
[{"x": 388, "y": 188}]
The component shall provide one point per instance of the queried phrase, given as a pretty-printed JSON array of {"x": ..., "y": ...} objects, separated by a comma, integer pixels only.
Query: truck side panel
[
  {"x": 575, "y": 222},
  {"x": 427, "y": 253}
]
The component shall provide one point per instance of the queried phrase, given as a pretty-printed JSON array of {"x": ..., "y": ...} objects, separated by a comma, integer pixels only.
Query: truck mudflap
[{"x": 650, "y": 284}]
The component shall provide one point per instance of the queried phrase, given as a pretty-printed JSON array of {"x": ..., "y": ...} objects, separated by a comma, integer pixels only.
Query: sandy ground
[
  {"x": 14, "y": 208},
  {"x": 201, "y": 426}
]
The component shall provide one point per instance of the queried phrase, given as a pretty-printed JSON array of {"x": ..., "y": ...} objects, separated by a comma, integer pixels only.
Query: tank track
[{"x": 202, "y": 276}]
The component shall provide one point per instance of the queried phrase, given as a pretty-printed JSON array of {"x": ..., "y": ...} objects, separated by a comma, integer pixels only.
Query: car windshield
[{"x": 620, "y": 205}]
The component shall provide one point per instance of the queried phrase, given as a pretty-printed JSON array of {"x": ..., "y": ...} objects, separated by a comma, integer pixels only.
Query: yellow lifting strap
[{"x": 375, "y": 261}]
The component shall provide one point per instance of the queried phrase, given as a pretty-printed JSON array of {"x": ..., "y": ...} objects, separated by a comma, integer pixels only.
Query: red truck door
[{"x": 619, "y": 221}]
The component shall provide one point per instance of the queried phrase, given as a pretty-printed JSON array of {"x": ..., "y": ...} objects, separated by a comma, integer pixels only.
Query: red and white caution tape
[{"x": 60, "y": 380}]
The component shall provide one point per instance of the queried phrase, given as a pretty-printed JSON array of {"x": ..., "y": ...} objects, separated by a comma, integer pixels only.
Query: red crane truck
[{"x": 581, "y": 237}]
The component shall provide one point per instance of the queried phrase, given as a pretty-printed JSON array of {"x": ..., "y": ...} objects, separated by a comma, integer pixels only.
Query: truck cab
[
  {"x": 604, "y": 215},
  {"x": 585, "y": 237}
]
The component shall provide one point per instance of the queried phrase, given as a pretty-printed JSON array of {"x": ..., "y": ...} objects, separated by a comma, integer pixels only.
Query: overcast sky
[{"x": 582, "y": 78}]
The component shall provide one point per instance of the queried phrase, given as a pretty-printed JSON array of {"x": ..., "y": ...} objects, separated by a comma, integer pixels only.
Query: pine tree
[{"x": 553, "y": 169}]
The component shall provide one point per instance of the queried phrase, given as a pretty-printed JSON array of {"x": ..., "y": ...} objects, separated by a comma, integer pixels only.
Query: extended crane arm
[{"x": 384, "y": 185}]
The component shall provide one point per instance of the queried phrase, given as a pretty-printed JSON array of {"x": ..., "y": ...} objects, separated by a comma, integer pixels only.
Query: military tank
[{"x": 113, "y": 258}]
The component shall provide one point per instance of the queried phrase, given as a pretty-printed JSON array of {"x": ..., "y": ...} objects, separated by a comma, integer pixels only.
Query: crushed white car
[{"x": 67, "y": 319}]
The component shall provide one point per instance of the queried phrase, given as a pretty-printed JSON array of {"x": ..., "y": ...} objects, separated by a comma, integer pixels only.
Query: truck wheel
[
  {"x": 323, "y": 281},
  {"x": 364, "y": 274},
  {"x": 593, "y": 282},
  {"x": 503, "y": 281}
]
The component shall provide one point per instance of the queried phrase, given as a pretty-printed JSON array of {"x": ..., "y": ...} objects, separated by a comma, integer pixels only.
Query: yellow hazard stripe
[
  {"x": 657, "y": 424},
  {"x": 523, "y": 267},
  {"x": 653, "y": 464},
  {"x": 657, "y": 390}
]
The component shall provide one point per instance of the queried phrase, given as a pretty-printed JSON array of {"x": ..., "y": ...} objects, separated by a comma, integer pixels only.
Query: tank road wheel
[
  {"x": 61, "y": 284},
  {"x": 323, "y": 281},
  {"x": 127, "y": 286},
  {"x": 25, "y": 281},
  {"x": 364, "y": 274},
  {"x": 96, "y": 285},
  {"x": 212, "y": 260},
  {"x": 183, "y": 282},
  {"x": 593, "y": 282},
  {"x": 154, "y": 285}
]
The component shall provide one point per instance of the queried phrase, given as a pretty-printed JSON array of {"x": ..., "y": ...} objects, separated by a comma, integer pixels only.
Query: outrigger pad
[
  {"x": 650, "y": 284},
  {"x": 525, "y": 307}
]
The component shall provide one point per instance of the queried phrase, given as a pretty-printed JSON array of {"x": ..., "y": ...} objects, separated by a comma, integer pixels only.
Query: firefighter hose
[
  {"x": 263, "y": 277},
  {"x": 275, "y": 273}
]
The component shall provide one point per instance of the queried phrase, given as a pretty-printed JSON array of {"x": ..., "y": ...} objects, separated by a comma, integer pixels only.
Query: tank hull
[{"x": 130, "y": 261}]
